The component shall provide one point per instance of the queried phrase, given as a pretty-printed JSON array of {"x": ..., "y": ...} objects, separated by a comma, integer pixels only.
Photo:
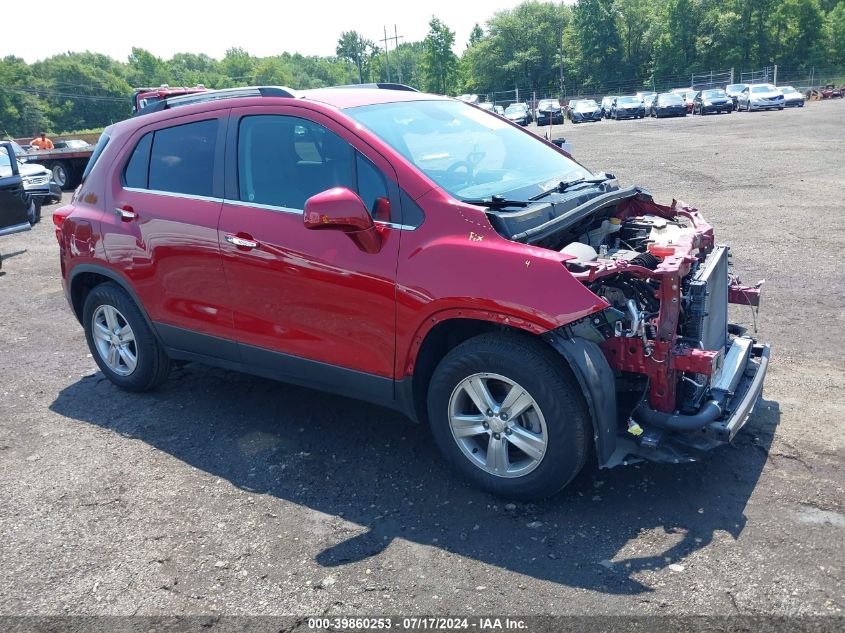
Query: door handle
[
  {"x": 126, "y": 213},
  {"x": 241, "y": 242}
]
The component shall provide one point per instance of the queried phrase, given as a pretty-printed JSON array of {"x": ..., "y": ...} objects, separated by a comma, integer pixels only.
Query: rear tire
[
  {"x": 554, "y": 424},
  {"x": 132, "y": 358}
]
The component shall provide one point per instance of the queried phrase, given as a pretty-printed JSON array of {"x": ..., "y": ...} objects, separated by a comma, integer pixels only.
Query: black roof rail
[
  {"x": 216, "y": 95},
  {"x": 379, "y": 86}
]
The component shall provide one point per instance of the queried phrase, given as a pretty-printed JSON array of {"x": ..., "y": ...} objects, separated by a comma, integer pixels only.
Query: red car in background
[
  {"x": 417, "y": 252},
  {"x": 143, "y": 97},
  {"x": 830, "y": 91}
]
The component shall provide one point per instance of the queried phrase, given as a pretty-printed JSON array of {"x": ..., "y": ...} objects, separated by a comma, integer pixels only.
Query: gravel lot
[{"x": 222, "y": 493}]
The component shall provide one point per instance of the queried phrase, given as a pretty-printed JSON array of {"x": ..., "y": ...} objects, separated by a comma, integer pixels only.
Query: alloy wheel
[
  {"x": 114, "y": 340},
  {"x": 498, "y": 425}
]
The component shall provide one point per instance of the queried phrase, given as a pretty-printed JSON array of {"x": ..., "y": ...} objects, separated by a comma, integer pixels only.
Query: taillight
[{"x": 59, "y": 217}]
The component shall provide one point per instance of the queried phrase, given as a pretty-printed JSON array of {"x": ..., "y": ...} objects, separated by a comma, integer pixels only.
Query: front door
[
  {"x": 308, "y": 306},
  {"x": 14, "y": 201}
]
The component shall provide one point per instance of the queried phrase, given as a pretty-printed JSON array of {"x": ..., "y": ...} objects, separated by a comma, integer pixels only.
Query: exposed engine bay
[{"x": 665, "y": 331}]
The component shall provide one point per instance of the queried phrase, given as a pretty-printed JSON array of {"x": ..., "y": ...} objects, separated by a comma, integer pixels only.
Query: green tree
[
  {"x": 476, "y": 35},
  {"x": 355, "y": 49},
  {"x": 439, "y": 62},
  {"x": 598, "y": 45},
  {"x": 834, "y": 33},
  {"x": 797, "y": 32}
]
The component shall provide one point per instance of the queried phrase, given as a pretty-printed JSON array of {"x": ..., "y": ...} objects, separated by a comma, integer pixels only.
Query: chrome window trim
[
  {"x": 173, "y": 194},
  {"x": 271, "y": 207},
  {"x": 257, "y": 205}
]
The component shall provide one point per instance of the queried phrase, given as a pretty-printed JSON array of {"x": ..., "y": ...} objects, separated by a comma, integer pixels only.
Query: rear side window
[
  {"x": 98, "y": 150},
  {"x": 138, "y": 168},
  {"x": 182, "y": 159}
]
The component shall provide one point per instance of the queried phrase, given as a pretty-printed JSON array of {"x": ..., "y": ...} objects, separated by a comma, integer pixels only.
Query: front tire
[
  {"x": 507, "y": 414},
  {"x": 121, "y": 341}
]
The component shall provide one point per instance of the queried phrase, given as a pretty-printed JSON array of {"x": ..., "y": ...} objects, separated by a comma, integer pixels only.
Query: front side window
[
  {"x": 466, "y": 152},
  {"x": 182, "y": 158},
  {"x": 284, "y": 160}
]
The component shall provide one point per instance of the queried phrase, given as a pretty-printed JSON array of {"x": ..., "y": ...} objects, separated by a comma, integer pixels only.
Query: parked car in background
[
  {"x": 733, "y": 91},
  {"x": 645, "y": 94},
  {"x": 146, "y": 97},
  {"x": 468, "y": 98},
  {"x": 760, "y": 97},
  {"x": 73, "y": 143},
  {"x": 518, "y": 113},
  {"x": 581, "y": 110},
  {"x": 606, "y": 105},
  {"x": 689, "y": 98},
  {"x": 791, "y": 97},
  {"x": 681, "y": 91},
  {"x": 485, "y": 105},
  {"x": 499, "y": 110},
  {"x": 36, "y": 181},
  {"x": 712, "y": 100},
  {"x": 830, "y": 91},
  {"x": 648, "y": 100},
  {"x": 549, "y": 112},
  {"x": 15, "y": 204},
  {"x": 628, "y": 107},
  {"x": 666, "y": 105},
  {"x": 396, "y": 248}
]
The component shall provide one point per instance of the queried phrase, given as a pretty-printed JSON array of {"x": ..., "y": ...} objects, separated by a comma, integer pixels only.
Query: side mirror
[{"x": 342, "y": 210}]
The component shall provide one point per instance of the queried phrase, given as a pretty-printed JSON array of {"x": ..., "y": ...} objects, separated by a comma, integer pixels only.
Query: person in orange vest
[{"x": 42, "y": 142}]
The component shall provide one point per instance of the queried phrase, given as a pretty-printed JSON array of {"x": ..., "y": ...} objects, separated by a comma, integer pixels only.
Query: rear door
[
  {"x": 14, "y": 201},
  {"x": 308, "y": 305},
  {"x": 163, "y": 205}
]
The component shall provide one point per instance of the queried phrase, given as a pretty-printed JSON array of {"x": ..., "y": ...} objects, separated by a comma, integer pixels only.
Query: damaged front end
[{"x": 685, "y": 379}]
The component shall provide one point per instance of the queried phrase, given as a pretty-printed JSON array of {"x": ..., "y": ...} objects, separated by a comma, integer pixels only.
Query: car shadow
[{"x": 372, "y": 467}]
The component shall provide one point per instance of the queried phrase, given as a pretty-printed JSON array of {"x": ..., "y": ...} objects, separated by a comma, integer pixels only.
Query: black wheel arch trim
[
  {"x": 112, "y": 276},
  {"x": 598, "y": 386}
]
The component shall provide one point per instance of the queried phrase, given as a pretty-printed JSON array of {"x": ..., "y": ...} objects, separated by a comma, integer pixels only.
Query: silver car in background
[
  {"x": 760, "y": 97},
  {"x": 734, "y": 91},
  {"x": 791, "y": 97}
]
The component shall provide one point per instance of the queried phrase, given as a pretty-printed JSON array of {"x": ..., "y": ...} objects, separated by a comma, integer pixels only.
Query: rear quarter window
[{"x": 95, "y": 156}]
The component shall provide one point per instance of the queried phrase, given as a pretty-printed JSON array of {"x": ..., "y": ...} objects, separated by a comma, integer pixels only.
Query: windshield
[
  {"x": 669, "y": 99},
  {"x": 516, "y": 107},
  {"x": 788, "y": 90},
  {"x": 713, "y": 94},
  {"x": 588, "y": 104},
  {"x": 548, "y": 105},
  {"x": 759, "y": 89},
  {"x": 466, "y": 152},
  {"x": 628, "y": 100}
]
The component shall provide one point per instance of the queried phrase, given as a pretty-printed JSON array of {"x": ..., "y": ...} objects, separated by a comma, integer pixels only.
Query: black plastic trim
[
  {"x": 598, "y": 384},
  {"x": 177, "y": 339},
  {"x": 182, "y": 344}
]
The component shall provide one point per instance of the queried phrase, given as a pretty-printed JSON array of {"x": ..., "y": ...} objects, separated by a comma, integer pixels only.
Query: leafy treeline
[{"x": 535, "y": 46}]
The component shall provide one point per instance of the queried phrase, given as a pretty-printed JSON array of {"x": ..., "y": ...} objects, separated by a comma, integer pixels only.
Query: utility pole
[
  {"x": 560, "y": 54},
  {"x": 396, "y": 38},
  {"x": 387, "y": 52}
]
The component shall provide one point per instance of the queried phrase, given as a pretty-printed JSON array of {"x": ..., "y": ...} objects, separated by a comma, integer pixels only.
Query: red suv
[{"x": 421, "y": 253}]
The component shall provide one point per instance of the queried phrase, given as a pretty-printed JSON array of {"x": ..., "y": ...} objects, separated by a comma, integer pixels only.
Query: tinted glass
[
  {"x": 98, "y": 150},
  {"x": 182, "y": 158},
  {"x": 283, "y": 161},
  {"x": 138, "y": 167},
  {"x": 371, "y": 188}
]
